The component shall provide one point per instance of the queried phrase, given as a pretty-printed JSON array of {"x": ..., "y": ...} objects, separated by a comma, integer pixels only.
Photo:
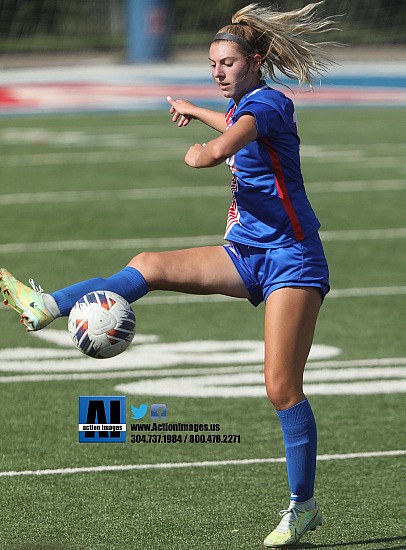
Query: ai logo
[{"x": 102, "y": 419}]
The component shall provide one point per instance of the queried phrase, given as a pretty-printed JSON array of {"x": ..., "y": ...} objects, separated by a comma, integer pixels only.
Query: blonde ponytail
[{"x": 279, "y": 37}]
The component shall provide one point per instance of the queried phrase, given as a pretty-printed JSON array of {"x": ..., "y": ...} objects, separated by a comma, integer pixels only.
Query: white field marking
[
  {"x": 176, "y": 299},
  {"x": 115, "y": 244},
  {"x": 108, "y": 136},
  {"x": 319, "y": 153},
  {"x": 181, "y": 242},
  {"x": 367, "y": 292},
  {"x": 251, "y": 385},
  {"x": 151, "y": 355},
  {"x": 360, "y": 158},
  {"x": 161, "y": 193},
  {"x": 185, "y": 299},
  {"x": 165, "y": 193},
  {"x": 68, "y": 138},
  {"x": 161, "y": 154},
  {"x": 156, "y": 153},
  {"x": 42, "y": 361},
  {"x": 135, "y": 136},
  {"x": 17, "y": 379},
  {"x": 207, "y": 385},
  {"x": 145, "y": 347},
  {"x": 202, "y": 464},
  {"x": 336, "y": 377},
  {"x": 357, "y": 363},
  {"x": 38, "y": 361},
  {"x": 157, "y": 149},
  {"x": 375, "y": 148},
  {"x": 243, "y": 377},
  {"x": 356, "y": 186},
  {"x": 362, "y": 234},
  {"x": 44, "y": 135}
]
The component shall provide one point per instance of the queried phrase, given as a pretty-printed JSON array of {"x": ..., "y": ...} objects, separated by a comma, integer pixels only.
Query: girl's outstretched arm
[{"x": 184, "y": 111}]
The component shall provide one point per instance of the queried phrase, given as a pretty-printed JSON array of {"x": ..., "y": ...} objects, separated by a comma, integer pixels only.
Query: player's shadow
[{"x": 372, "y": 544}]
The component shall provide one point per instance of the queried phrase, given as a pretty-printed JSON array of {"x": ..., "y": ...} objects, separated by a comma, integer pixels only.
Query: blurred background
[{"x": 46, "y": 31}]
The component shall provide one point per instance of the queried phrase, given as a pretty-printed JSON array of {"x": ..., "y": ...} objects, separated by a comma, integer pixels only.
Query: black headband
[{"x": 234, "y": 38}]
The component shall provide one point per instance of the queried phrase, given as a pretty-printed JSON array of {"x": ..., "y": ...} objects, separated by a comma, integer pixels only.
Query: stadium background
[
  {"x": 40, "y": 26},
  {"x": 100, "y": 177}
]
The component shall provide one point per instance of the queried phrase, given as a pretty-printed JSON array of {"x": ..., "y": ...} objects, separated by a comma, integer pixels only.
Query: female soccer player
[{"x": 273, "y": 251}]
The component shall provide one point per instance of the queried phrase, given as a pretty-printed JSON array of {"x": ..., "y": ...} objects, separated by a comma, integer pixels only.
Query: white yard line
[
  {"x": 203, "y": 464},
  {"x": 161, "y": 193},
  {"x": 179, "y": 299},
  {"x": 172, "y": 149},
  {"x": 362, "y": 234},
  {"x": 165, "y": 193},
  {"x": 334, "y": 293},
  {"x": 94, "y": 157},
  {"x": 181, "y": 242},
  {"x": 64, "y": 366},
  {"x": 367, "y": 292},
  {"x": 122, "y": 244}
]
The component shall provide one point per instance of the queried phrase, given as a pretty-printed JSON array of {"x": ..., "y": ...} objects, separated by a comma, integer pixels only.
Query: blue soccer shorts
[{"x": 264, "y": 270}]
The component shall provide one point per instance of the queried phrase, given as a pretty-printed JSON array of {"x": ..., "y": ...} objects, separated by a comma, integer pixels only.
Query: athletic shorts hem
[
  {"x": 265, "y": 270},
  {"x": 323, "y": 288}
]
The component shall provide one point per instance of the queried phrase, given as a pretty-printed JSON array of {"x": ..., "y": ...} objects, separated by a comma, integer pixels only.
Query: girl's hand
[
  {"x": 193, "y": 153},
  {"x": 181, "y": 111}
]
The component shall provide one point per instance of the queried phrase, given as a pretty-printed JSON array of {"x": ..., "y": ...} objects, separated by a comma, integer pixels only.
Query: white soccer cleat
[{"x": 293, "y": 525}]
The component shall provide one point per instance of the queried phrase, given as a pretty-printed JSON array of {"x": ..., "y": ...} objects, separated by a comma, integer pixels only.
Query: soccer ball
[{"x": 101, "y": 324}]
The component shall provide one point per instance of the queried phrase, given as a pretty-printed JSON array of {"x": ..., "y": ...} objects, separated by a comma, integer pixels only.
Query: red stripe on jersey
[
  {"x": 229, "y": 116},
  {"x": 283, "y": 192},
  {"x": 233, "y": 216}
]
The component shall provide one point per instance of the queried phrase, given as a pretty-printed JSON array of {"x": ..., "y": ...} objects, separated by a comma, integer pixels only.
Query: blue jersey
[{"x": 270, "y": 207}]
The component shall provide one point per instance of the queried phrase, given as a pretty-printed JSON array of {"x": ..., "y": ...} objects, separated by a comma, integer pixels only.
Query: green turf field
[{"x": 80, "y": 195}]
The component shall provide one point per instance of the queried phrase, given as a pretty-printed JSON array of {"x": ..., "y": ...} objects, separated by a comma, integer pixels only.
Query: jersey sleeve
[{"x": 267, "y": 118}]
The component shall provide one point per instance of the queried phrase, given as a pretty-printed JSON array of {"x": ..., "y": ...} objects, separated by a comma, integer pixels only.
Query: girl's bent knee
[
  {"x": 140, "y": 260},
  {"x": 284, "y": 397}
]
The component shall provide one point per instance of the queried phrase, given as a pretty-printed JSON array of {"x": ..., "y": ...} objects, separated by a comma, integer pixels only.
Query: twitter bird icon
[{"x": 139, "y": 412}]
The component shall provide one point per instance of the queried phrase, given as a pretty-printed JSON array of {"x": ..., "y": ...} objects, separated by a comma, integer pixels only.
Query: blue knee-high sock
[
  {"x": 128, "y": 283},
  {"x": 300, "y": 437}
]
